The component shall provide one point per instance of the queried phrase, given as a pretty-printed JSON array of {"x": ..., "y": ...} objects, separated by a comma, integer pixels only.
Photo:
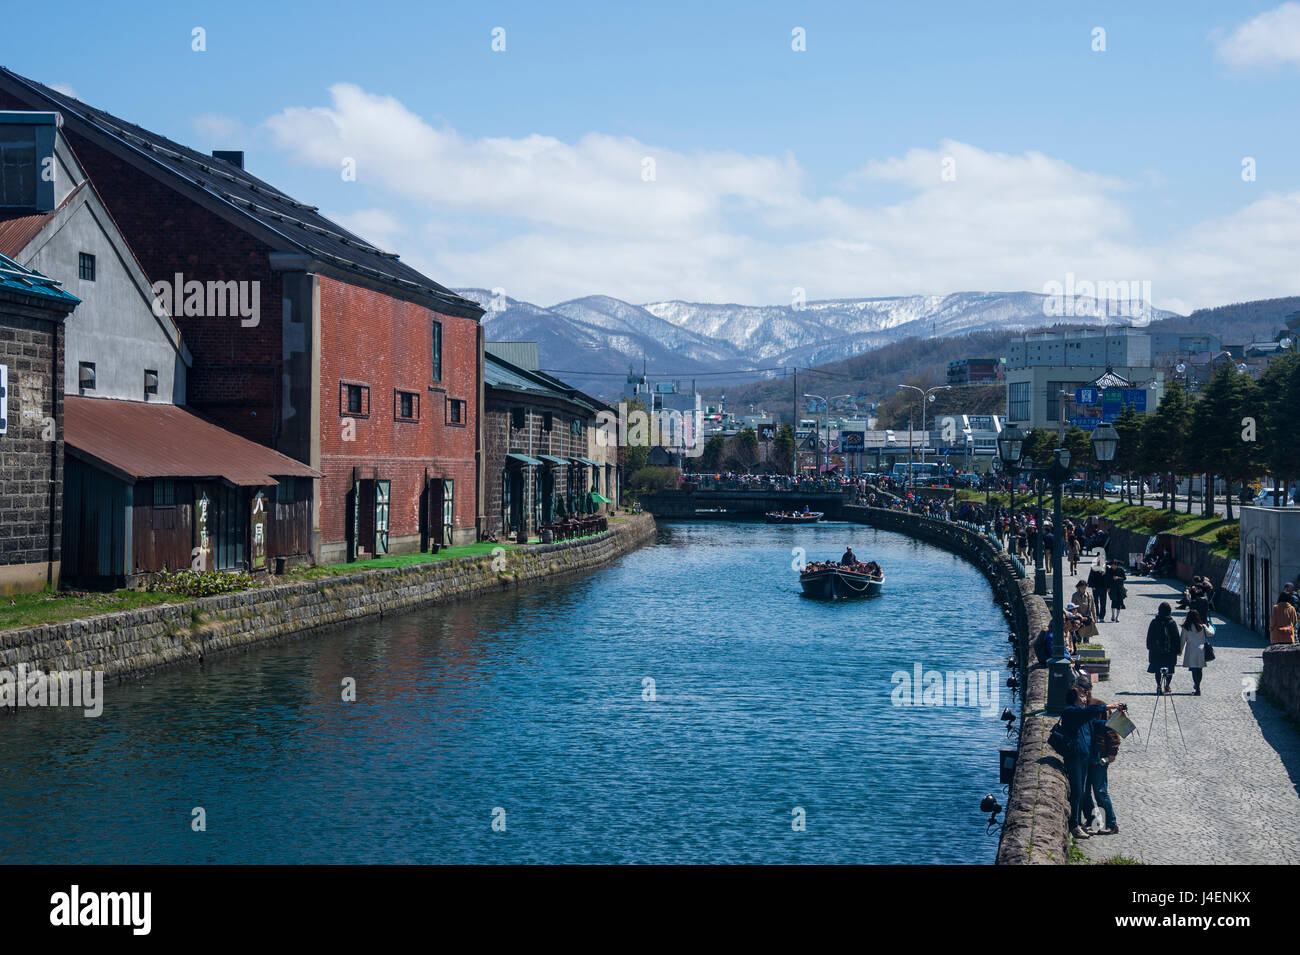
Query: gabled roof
[
  {"x": 139, "y": 440},
  {"x": 16, "y": 278},
  {"x": 504, "y": 376},
  {"x": 278, "y": 219},
  {"x": 1109, "y": 379}
]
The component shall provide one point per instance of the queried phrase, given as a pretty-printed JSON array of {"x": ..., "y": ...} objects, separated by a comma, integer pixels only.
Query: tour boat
[
  {"x": 838, "y": 582},
  {"x": 793, "y": 517}
]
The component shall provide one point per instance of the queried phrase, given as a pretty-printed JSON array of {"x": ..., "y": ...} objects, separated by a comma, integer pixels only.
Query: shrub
[
  {"x": 655, "y": 479},
  {"x": 1229, "y": 537},
  {"x": 192, "y": 583},
  {"x": 1157, "y": 521}
]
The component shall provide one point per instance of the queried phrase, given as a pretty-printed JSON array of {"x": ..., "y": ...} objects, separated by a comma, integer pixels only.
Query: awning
[
  {"x": 522, "y": 459},
  {"x": 140, "y": 440},
  {"x": 600, "y": 498},
  {"x": 550, "y": 459},
  {"x": 588, "y": 462}
]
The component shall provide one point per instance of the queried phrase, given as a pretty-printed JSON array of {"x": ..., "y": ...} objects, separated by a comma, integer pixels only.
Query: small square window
[
  {"x": 516, "y": 418},
  {"x": 150, "y": 382},
  {"x": 548, "y": 420},
  {"x": 408, "y": 406},
  {"x": 455, "y": 411},
  {"x": 86, "y": 376},
  {"x": 354, "y": 400},
  {"x": 86, "y": 266},
  {"x": 164, "y": 493}
]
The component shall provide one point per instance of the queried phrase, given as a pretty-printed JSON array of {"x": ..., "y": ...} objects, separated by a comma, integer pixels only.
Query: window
[
  {"x": 354, "y": 400},
  {"x": 455, "y": 411},
  {"x": 18, "y": 166},
  {"x": 1018, "y": 401},
  {"x": 576, "y": 427},
  {"x": 407, "y": 406},
  {"x": 150, "y": 382},
  {"x": 548, "y": 419},
  {"x": 164, "y": 493},
  {"x": 436, "y": 352},
  {"x": 516, "y": 418},
  {"x": 86, "y": 266},
  {"x": 86, "y": 376}
]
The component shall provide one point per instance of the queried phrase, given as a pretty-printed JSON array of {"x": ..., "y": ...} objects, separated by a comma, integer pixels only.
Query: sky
[{"x": 747, "y": 153}]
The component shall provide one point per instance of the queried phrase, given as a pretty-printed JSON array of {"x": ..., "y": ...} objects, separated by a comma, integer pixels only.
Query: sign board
[
  {"x": 1232, "y": 579},
  {"x": 767, "y": 432},
  {"x": 202, "y": 521},
  {"x": 1087, "y": 396},
  {"x": 258, "y": 560},
  {"x": 852, "y": 440},
  {"x": 1087, "y": 424}
]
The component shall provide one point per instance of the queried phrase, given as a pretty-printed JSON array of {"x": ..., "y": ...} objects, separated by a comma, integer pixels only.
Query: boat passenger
[{"x": 849, "y": 559}]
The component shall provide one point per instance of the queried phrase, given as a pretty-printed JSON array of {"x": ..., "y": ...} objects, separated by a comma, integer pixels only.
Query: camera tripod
[{"x": 1167, "y": 698}]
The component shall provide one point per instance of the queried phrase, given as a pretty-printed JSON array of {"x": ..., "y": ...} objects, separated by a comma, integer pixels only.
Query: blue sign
[
  {"x": 1087, "y": 424},
  {"x": 1086, "y": 396}
]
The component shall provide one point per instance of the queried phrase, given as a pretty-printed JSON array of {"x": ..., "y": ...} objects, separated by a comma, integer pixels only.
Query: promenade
[{"x": 1231, "y": 796}]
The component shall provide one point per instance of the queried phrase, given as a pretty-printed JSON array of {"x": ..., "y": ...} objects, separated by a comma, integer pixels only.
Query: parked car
[
  {"x": 1109, "y": 488},
  {"x": 1136, "y": 487},
  {"x": 1271, "y": 498}
]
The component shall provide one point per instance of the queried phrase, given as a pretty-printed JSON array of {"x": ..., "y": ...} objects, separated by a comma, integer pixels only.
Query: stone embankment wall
[
  {"x": 1034, "y": 828},
  {"x": 1281, "y": 676},
  {"x": 134, "y": 642}
]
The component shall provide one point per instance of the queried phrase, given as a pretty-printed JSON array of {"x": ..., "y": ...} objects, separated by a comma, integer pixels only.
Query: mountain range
[{"x": 591, "y": 342}]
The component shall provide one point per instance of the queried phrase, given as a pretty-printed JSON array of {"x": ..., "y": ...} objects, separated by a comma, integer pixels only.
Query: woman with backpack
[
  {"x": 1163, "y": 644},
  {"x": 1081, "y": 750},
  {"x": 1195, "y": 639}
]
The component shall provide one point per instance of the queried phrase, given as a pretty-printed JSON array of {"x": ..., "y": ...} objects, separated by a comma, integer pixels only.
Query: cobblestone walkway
[{"x": 1229, "y": 797}]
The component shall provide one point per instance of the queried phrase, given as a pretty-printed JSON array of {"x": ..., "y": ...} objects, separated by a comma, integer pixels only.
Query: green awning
[
  {"x": 590, "y": 463},
  {"x": 522, "y": 459},
  {"x": 600, "y": 498},
  {"x": 551, "y": 459}
]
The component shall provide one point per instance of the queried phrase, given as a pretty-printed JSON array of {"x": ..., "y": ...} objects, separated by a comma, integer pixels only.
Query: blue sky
[{"x": 774, "y": 169}]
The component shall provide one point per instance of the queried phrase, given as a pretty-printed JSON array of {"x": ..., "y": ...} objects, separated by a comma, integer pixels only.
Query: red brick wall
[
  {"x": 236, "y": 376},
  {"x": 370, "y": 339}
]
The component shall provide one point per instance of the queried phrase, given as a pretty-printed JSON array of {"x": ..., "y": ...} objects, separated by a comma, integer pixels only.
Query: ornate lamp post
[
  {"x": 1011, "y": 443},
  {"x": 926, "y": 395}
]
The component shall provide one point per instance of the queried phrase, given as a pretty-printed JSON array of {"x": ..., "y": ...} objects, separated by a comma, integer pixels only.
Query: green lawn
[
  {"x": 31, "y": 610},
  {"x": 402, "y": 560}
]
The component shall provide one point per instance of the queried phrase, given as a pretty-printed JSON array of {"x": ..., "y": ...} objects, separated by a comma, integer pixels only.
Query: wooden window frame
[
  {"x": 398, "y": 394},
  {"x": 343, "y": 400}
]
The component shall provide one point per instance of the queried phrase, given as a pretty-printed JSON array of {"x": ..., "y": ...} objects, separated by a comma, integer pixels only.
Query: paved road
[{"x": 1231, "y": 796}]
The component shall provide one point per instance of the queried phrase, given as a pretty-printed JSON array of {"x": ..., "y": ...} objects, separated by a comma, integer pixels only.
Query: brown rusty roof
[
  {"x": 17, "y": 230},
  {"x": 142, "y": 440}
]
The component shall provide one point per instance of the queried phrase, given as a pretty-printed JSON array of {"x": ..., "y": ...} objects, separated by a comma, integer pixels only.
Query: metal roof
[
  {"x": 25, "y": 281},
  {"x": 520, "y": 354},
  {"x": 299, "y": 225},
  {"x": 523, "y": 459},
  {"x": 138, "y": 440},
  {"x": 551, "y": 459}
]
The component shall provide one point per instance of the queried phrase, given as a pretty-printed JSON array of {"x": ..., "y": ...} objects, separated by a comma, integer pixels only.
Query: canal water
[{"x": 769, "y": 733}]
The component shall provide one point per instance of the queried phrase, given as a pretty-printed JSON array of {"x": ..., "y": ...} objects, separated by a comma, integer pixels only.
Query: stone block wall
[{"x": 135, "y": 642}]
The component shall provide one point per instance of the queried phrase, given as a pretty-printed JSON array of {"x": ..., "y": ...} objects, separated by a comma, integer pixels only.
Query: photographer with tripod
[{"x": 1163, "y": 644}]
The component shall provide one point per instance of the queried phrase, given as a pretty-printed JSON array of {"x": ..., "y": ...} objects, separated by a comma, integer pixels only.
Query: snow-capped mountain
[{"x": 592, "y": 341}]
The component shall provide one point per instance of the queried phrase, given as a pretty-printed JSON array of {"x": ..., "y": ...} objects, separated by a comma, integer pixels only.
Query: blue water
[{"x": 532, "y": 703}]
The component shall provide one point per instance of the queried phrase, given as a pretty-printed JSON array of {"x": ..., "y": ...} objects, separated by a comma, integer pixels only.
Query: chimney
[{"x": 233, "y": 156}]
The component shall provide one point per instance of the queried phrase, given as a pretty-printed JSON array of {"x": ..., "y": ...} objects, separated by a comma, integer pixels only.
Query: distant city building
[{"x": 975, "y": 371}]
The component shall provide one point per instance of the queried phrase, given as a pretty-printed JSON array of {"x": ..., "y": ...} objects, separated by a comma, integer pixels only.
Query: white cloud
[
  {"x": 222, "y": 131},
  {"x": 1270, "y": 39},
  {"x": 549, "y": 220},
  {"x": 65, "y": 89}
]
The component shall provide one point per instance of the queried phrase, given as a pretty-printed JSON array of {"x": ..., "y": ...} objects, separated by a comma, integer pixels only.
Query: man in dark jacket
[
  {"x": 1098, "y": 583},
  {"x": 1163, "y": 643}
]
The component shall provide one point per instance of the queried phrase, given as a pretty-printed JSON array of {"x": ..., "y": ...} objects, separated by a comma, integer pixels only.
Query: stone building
[
  {"x": 304, "y": 337},
  {"x": 1270, "y": 559},
  {"x": 33, "y": 309},
  {"x": 538, "y": 440}
]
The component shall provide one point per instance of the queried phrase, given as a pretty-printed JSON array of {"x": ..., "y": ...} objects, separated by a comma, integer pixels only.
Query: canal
[{"x": 535, "y": 708}]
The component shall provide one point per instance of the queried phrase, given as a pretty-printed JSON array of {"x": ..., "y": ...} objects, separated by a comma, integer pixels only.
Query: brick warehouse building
[
  {"x": 32, "y": 311},
  {"x": 304, "y": 337}
]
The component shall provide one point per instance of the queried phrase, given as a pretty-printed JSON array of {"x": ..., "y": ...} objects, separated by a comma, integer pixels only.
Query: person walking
[
  {"x": 1163, "y": 643},
  {"x": 1282, "y": 621},
  {"x": 1195, "y": 634},
  {"x": 1115, "y": 589},
  {"x": 1073, "y": 550},
  {"x": 1098, "y": 582},
  {"x": 1076, "y": 722},
  {"x": 1084, "y": 608}
]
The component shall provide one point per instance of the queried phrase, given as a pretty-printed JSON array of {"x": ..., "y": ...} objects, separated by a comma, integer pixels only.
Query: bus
[{"x": 925, "y": 474}]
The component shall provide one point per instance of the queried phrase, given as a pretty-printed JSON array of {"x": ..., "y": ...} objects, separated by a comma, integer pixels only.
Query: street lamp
[
  {"x": 1011, "y": 443},
  {"x": 925, "y": 395},
  {"x": 817, "y": 437}
]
